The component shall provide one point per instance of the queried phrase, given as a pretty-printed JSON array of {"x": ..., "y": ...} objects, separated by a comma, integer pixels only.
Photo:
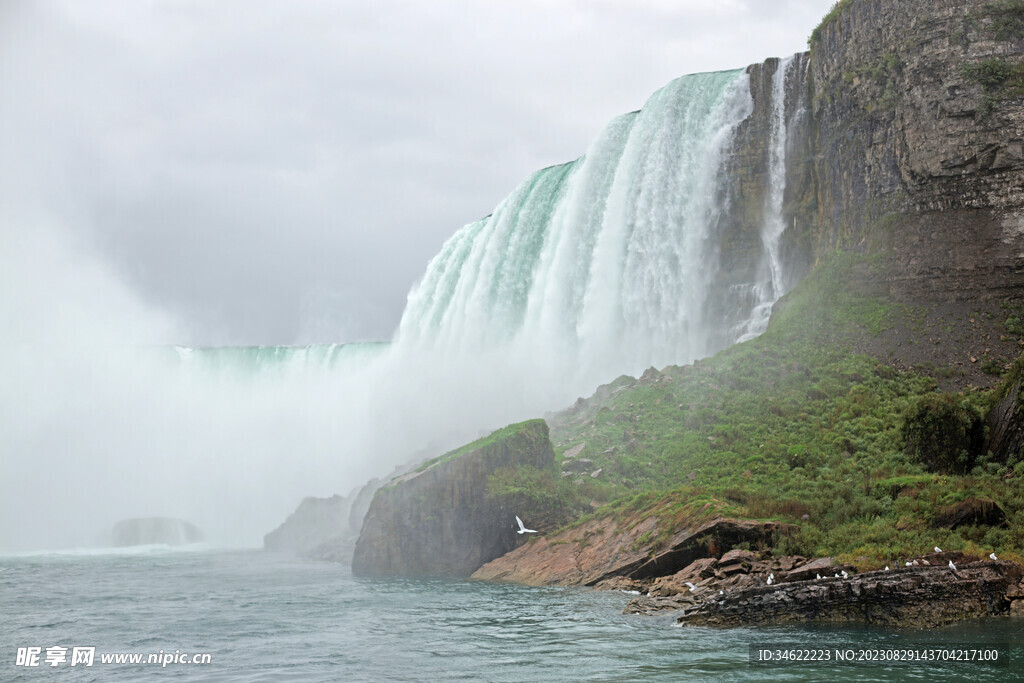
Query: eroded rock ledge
[{"x": 924, "y": 595}]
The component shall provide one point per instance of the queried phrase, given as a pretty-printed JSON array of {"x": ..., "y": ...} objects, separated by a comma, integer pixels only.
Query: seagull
[
  {"x": 908, "y": 564},
  {"x": 836, "y": 576},
  {"x": 992, "y": 556},
  {"x": 693, "y": 589},
  {"x": 886, "y": 567},
  {"x": 818, "y": 577},
  {"x": 938, "y": 549},
  {"x": 845, "y": 575},
  {"x": 523, "y": 529},
  {"x": 952, "y": 566},
  {"x": 769, "y": 580},
  {"x": 721, "y": 592}
]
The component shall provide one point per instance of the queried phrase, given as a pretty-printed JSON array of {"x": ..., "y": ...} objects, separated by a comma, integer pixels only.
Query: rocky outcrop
[
  {"x": 920, "y": 596},
  {"x": 443, "y": 519},
  {"x": 915, "y": 156},
  {"x": 600, "y": 550},
  {"x": 1006, "y": 422},
  {"x": 154, "y": 530},
  {"x": 324, "y": 528}
]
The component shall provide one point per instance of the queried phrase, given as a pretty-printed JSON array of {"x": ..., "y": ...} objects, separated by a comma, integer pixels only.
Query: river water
[{"x": 266, "y": 617}]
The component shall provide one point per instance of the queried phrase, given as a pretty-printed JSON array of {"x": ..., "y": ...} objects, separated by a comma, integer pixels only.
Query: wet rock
[
  {"x": 574, "y": 451},
  {"x": 971, "y": 512},
  {"x": 909, "y": 597},
  {"x": 581, "y": 465}
]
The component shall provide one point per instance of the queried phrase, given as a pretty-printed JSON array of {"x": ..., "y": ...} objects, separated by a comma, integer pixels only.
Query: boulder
[{"x": 442, "y": 520}]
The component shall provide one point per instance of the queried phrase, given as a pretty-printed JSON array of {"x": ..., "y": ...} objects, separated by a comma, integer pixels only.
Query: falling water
[
  {"x": 767, "y": 291},
  {"x": 602, "y": 266}
]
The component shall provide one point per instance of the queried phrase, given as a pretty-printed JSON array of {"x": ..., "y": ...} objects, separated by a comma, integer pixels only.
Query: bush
[{"x": 944, "y": 433}]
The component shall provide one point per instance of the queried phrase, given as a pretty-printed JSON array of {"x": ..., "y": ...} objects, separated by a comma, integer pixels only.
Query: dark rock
[
  {"x": 971, "y": 512},
  {"x": 909, "y": 597},
  {"x": 441, "y": 520},
  {"x": 582, "y": 465}
]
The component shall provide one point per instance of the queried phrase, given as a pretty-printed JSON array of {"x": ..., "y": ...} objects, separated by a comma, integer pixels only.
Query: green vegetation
[
  {"x": 944, "y": 432},
  {"x": 833, "y": 15},
  {"x": 798, "y": 427},
  {"x": 1007, "y": 19},
  {"x": 502, "y": 434},
  {"x": 1000, "y": 80}
]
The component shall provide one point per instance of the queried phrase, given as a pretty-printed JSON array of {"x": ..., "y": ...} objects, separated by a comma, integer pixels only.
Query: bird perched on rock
[
  {"x": 770, "y": 579},
  {"x": 992, "y": 556},
  {"x": 845, "y": 575},
  {"x": 886, "y": 567},
  {"x": 952, "y": 566},
  {"x": 908, "y": 564},
  {"x": 818, "y": 577},
  {"x": 938, "y": 549}
]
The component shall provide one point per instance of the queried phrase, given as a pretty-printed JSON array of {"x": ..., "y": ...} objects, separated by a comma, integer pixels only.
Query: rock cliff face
[
  {"x": 900, "y": 141},
  {"x": 916, "y": 154},
  {"x": 442, "y": 520}
]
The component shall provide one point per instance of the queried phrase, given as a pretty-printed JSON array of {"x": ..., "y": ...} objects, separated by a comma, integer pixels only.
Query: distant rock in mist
[
  {"x": 152, "y": 530},
  {"x": 324, "y": 528}
]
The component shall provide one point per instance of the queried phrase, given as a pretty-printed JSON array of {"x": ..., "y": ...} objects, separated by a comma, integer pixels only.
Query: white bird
[
  {"x": 886, "y": 567},
  {"x": 992, "y": 556},
  {"x": 769, "y": 580},
  {"x": 908, "y": 564},
  {"x": 523, "y": 529},
  {"x": 693, "y": 588},
  {"x": 818, "y": 577},
  {"x": 938, "y": 549},
  {"x": 952, "y": 566},
  {"x": 845, "y": 575},
  {"x": 916, "y": 563},
  {"x": 721, "y": 592},
  {"x": 835, "y": 576}
]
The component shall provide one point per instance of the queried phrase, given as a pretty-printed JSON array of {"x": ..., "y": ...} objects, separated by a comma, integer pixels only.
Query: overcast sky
[{"x": 281, "y": 172}]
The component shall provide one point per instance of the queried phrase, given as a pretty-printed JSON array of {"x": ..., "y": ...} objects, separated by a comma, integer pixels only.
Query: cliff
[
  {"x": 324, "y": 528},
  {"x": 917, "y": 132},
  {"x": 444, "y": 519}
]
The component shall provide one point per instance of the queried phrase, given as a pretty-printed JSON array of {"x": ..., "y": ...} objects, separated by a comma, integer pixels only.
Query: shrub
[{"x": 944, "y": 433}]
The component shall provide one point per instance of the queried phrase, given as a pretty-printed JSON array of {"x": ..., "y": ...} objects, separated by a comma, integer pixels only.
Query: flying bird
[
  {"x": 693, "y": 588},
  {"x": 952, "y": 566},
  {"x": 523, "y": 529},
  {"x": 992, "y": 556}
]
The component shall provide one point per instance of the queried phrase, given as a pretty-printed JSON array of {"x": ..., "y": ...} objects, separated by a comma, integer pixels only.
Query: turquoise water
[{"x": 265, "y": 617}]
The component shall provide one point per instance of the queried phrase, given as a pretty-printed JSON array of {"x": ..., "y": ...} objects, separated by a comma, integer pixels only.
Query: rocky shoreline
[{"x": 735, "y": 591}]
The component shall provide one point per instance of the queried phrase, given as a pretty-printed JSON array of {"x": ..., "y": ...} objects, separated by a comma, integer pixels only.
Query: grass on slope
[{"x": 791, "y": 426}]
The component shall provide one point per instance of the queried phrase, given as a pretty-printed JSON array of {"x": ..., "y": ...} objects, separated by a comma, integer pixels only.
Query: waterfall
[
  {"x": 767, "y": 291},
  {"x": 602, "y": 265}
]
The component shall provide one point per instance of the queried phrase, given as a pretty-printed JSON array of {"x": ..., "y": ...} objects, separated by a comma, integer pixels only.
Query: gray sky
[{"x": 281, "y": 172}]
